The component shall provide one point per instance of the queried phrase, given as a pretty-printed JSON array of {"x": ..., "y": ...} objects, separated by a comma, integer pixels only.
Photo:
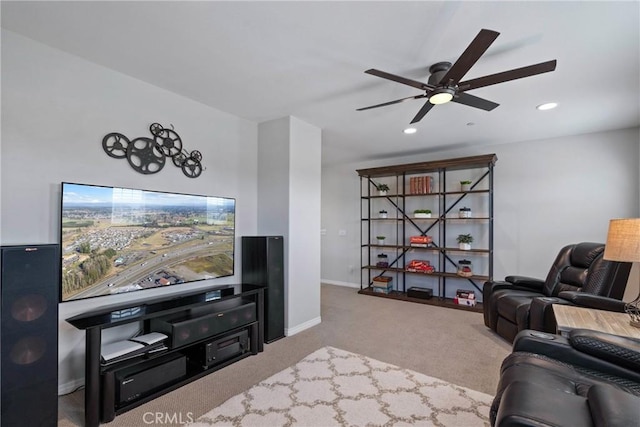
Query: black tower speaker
[
  {"x": 263, "y": 264},
  {"x": 29, "y": 335}
]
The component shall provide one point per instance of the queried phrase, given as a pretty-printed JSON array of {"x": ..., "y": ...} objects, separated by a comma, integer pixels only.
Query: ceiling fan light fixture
[
  {"x": 410, "y": 131},
  {"x": 547, "y": 106},
  {"x": 441, "y": 96}
]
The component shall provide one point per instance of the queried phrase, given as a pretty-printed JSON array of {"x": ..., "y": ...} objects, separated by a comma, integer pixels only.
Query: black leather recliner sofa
[
  {"x": 577, "y": 272},
  {"x": 587, "y": 379}
]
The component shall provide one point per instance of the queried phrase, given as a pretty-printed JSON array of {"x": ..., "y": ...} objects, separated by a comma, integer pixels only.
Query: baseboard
[
  {"x": 70, "y": 386},
  {"x": 306, "y": 325},
  {"x": 339, "y": 283}
]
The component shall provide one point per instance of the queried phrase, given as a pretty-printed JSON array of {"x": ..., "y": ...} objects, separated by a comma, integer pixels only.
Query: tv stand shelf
[{"x": 228, "y": 315}]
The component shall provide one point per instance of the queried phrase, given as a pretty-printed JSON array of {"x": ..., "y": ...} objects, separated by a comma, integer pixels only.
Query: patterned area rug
[{"x": 333, "y": 387}]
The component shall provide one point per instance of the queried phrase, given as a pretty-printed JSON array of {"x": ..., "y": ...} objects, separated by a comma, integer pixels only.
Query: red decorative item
[{"x": 420, "y": 266}]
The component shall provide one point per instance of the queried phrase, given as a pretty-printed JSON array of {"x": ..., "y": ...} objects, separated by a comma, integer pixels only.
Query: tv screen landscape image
[{"x": 116, "y": 240}]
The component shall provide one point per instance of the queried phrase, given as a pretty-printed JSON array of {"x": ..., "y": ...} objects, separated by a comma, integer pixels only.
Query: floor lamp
[{"x": 623, "y": 245}]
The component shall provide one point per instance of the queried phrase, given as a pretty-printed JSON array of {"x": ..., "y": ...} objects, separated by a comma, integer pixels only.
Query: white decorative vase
[
  {"x": 383, "y": 215},
  {"x": 422, "y": 215},
  {"x": 465, "y": 187},
  {"x": 382, "y": 192},
  {"x": 381, "y": 241},
  {"x": 465, "y": 246}
]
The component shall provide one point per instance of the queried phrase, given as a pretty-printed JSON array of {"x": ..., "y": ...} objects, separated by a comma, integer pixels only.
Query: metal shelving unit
[{"x": 442, "y": 198}]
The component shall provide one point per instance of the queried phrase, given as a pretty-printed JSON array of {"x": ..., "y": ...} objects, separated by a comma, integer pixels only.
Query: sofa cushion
[{"x": 613, "y": 408}]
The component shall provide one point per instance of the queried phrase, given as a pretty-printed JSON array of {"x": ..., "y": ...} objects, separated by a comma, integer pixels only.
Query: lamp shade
[{"x": 623, "y": 240}]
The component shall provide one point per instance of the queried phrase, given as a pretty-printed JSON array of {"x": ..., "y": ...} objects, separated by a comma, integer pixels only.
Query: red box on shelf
[{"x": 420, "y": 266}]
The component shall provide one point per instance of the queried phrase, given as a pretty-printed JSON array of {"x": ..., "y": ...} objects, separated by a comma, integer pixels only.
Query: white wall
[
  {"x": 289, "y": 175},
  {"x": 304, "y": 226},
  {"x": 56, "y": 108},
  {"x": 547, "y": 193}
]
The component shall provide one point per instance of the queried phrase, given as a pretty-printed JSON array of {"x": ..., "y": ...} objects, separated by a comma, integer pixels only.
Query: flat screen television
[{"x": 116, "y": 240}]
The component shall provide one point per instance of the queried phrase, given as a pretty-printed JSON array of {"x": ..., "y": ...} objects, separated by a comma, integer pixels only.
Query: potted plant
[
  {"x": 465, "y": 240},
  {"x": 465, "y": 185},
  {"x": 422, "y": 213},
  {"x": 382, "y": 189},
  {"x": 380, "y": 239},
  {"x": 382, "y": 214}
]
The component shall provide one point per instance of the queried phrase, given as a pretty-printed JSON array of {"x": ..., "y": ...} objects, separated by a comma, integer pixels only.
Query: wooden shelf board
[
  {"x": 467, "y": 219},
  {"x": 434, "y": 193},
  {"x": 470, "y": 162},
  {"x": 476, "y": 251},
  {"x": 435, "y": 273},
  {"x": 440, "y": 302}
]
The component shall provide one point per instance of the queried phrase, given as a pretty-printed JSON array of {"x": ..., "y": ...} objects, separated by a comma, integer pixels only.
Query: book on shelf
[
  {"x": 420, "y": 241},
  {"x": 420, "y": 185}
]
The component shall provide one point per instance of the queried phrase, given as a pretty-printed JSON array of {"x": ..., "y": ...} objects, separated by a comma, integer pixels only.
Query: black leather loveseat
[{"x": 587, "y": 379}]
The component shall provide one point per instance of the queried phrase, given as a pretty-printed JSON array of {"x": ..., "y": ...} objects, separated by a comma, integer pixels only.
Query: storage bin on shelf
[
  {"x": 464, "y": 212},
  {"x": 383, "y": 261},
  {"x": 465, "y": 268},
  {"x": 464, "y": 297}
]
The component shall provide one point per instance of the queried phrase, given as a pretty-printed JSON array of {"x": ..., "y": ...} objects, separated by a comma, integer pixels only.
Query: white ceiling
[{"x": 265, "y": 60}]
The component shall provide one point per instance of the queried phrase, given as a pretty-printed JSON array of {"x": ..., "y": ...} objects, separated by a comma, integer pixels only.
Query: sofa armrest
[
  {"x": 592, "y": 301},
  {"x": 612, "y": 407},
  {"x": 562, "y": 350},
  {"x": 541, "y": 314},
  {"x": 618, "y": 350},
  {"x": 524, "y": 282}
]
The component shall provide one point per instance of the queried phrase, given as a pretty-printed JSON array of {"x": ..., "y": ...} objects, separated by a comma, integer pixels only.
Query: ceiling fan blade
[
  {"x": 397, "y": 101},
  {"x": 470, "y": 56},
  {"x": 424, "y": 110},
  {"x": 399, "y": 79},
  {"x": 474, "y": 101},
  {"x": 505, "y": 76}
]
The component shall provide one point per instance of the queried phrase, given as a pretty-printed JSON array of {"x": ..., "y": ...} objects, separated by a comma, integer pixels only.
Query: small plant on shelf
[
  {"x": 383, "y": 214},
  {"x": 464, "y": 240},
  {"x": 422, "y": 213},
  {"x": 382, "y": 188},
  {"x": 465, "y": 185},
  {"x": 380, "y": 239}
]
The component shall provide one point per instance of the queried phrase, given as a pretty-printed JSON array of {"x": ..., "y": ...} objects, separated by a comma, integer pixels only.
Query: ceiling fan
[{"x": 444, "y": 84}]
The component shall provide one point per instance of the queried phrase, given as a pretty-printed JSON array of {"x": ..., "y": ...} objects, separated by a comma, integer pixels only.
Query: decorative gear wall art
[{"x": 149, "y": 155}]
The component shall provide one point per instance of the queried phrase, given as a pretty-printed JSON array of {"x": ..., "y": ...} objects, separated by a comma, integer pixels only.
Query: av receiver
[
  {"x": 213, "y": 352},
  {"x": 127, "y": 384}
]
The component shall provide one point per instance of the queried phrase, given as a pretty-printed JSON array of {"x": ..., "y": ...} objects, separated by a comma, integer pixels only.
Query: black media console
[{"x": 206, "y": 330}]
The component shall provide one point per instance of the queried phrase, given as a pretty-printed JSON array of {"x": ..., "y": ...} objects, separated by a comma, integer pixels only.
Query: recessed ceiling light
[
  {"x": 409, "y": 131},
  {"x": 547, "y": 106}
]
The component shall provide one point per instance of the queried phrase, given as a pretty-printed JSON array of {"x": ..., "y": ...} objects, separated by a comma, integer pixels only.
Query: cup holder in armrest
[{"x": 542, "y": 335}]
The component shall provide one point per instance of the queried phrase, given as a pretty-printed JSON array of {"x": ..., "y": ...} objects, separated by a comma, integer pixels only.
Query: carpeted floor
[
  {"x": 452, "y": 345},
  {"x": 333, "y": 387}
]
